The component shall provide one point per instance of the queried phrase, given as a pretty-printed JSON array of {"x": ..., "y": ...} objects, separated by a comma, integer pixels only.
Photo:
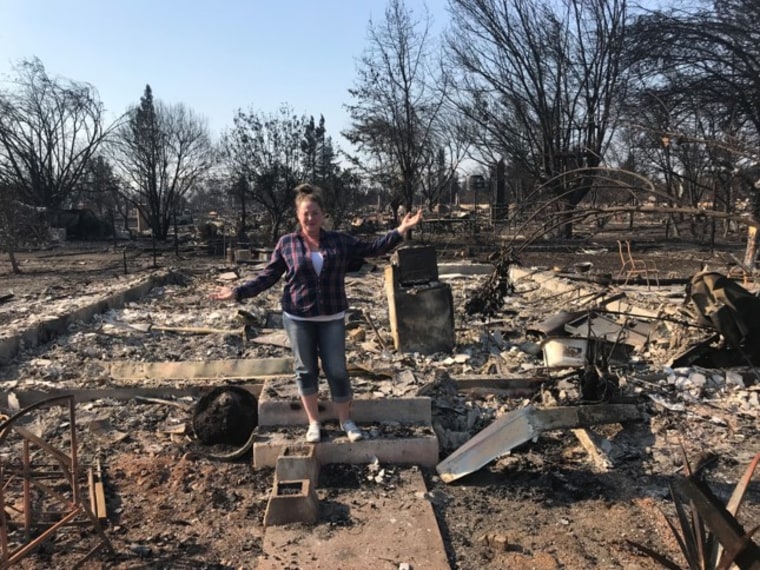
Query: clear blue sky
[{"x": 213, "y": 56}]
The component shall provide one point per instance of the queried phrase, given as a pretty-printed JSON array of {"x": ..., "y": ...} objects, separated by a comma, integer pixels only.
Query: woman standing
[{"x": 314, "y": 262}]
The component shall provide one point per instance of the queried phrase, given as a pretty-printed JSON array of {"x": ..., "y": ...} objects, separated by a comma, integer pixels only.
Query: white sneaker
[
  {"x": 352, "y": 431},
  {"x": 313, "y": 434}
]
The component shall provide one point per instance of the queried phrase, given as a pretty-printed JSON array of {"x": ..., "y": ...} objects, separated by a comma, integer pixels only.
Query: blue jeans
[{"x": 323, "y": 340}]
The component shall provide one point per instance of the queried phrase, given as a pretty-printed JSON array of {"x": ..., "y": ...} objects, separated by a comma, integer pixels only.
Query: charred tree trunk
[
  {"x": 14, "y": 262},
  {"x": 566, "y": 224}
]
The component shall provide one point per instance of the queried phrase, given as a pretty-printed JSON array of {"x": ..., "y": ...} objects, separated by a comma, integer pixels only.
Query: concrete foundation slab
[
  {"x": 447, "y": 270},
  {"x": 419, "y": 448},
  {"x": 387, "y": 529},
  {"x": 50, "y": 326}
]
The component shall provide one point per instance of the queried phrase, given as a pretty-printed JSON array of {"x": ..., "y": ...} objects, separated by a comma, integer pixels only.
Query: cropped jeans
[{"x": 312, "y": 341}]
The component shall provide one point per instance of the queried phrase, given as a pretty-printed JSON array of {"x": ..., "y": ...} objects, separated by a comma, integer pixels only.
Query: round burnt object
[{"x": 225, "y": 415}]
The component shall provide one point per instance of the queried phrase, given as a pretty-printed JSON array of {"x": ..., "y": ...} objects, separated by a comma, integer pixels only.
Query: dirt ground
[{"x": 543, "y": 506}]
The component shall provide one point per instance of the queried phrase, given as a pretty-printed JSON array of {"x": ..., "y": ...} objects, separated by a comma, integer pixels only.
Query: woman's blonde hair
[{"x": 311, "y": 192}]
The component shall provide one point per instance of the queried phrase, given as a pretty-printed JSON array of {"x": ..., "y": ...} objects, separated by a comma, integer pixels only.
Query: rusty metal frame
[
  {"x": 64, "y": 471},
  {"x": 631, "y": 267}
]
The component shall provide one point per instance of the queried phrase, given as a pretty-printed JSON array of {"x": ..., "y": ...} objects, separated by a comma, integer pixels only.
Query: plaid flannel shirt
[{"x": 307, "y": 294}]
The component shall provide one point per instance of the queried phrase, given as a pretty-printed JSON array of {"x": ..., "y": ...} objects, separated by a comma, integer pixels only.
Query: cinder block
[
  {"x": 242, "y": 255},
  {"x": 415, "y": 265},
  {"x": 297, "y": 462},
  {"x": 290, "y": 502}
]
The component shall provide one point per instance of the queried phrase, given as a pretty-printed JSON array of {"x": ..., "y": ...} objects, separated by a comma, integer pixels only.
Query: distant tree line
[{"x": 584, "y": 102}]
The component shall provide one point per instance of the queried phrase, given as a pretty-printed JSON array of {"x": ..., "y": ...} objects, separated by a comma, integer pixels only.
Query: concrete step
[
  {"x": 388, "y": 443},
  {"x": 280, "y": 405}
]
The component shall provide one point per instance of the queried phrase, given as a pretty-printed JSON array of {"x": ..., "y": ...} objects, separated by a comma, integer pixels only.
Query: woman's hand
[
  {"x": 410, "y": 220},
  {"x": 223, "y": 294}
]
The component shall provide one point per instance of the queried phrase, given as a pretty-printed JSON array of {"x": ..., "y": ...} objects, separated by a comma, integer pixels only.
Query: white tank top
[{"x": 317, "y": 261}]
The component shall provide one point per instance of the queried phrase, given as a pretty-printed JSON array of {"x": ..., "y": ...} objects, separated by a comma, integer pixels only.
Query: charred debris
[{"x": 536, "y": 350}]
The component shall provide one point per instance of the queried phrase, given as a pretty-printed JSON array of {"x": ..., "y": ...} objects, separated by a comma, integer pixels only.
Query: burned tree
[
  {"x": 266, "y": 150},
  {"x": 162, "y": 151},
  {"x": 395, "y": 109},
  {"x": 50, "y": 128},
  {"x": 20, "y": 225},
  {"x": 540, "y": 82},
  {"x": 710, "y": 53},
  {"x": 322, "y": 167}
]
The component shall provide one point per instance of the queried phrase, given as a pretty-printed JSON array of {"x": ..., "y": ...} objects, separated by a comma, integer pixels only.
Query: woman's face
[{"x": 310, "y": 217}]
